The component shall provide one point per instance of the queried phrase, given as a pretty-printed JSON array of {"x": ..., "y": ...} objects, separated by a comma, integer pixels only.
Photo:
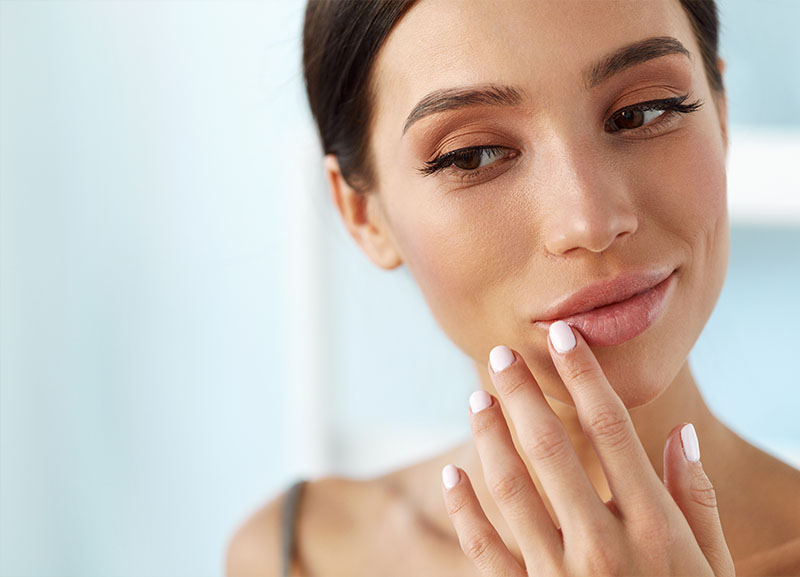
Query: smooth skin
[
  {"x": 569, "y": 205},
  {"x": 645, "y": 529}
]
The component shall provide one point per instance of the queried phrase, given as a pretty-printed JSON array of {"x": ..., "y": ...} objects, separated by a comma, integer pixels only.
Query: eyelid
[
  {"x": 655, "y": 104},
  {"x": 446, "y": 160},
  {"x": 672, "y": 107}
]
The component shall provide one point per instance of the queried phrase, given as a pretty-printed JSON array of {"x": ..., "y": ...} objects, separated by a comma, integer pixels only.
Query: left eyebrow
[{"x": 629, "y": 55}]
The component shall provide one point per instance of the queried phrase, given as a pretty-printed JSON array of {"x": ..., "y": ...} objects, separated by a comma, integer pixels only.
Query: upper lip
[{"x": 605, "y": 292}]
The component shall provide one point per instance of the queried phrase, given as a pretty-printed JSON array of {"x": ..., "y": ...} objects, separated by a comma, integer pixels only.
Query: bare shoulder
[
  {"x": 328, "y": 509},
  {"x": 783, "y": 560},
  {"x": 342, "y": 519},
  {"x": 774, "y": 526},
  {"x": 255, "y": 547},
  {"x": 780, "y": 489}
]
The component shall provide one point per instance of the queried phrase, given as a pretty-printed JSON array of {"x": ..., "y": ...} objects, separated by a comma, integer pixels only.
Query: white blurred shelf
[
  {"x": 308, "y": 427},
  {"x": 764, "y": 177}
]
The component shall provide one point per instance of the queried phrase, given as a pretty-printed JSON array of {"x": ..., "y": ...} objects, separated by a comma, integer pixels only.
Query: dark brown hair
[{"x": 341, "y": 39}]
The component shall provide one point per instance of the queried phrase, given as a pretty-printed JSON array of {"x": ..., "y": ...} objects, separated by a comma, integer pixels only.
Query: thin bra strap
[{"x": 289, "y": 524}]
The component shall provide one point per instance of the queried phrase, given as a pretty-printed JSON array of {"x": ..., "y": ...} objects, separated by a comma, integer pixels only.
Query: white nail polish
[
  {"x": 449, "y": 476},
  {"x": 479, "y": 400},
  {"x": 500, "y": 358},
  {"x": 562, "y": 337},
  {"x": 691, "y": 447}
]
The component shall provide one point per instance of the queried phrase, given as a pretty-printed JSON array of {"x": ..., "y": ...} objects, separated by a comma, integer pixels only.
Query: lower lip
[{"x": 619, "y": 322}]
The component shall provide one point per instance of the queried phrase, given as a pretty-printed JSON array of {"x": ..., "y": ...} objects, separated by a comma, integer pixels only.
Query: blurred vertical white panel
[
  {"x": 763, "y": 176},
  {"x": 307, "y": 425}
]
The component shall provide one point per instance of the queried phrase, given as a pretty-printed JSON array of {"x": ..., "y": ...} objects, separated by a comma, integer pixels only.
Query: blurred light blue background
[{"x": 185, "y": 327}]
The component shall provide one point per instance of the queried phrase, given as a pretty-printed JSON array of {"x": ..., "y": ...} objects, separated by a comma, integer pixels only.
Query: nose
[{"x": 588, "y": 203}]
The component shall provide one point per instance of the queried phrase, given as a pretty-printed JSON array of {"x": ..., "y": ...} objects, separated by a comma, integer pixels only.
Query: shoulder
[
  {"x": 772, "y": 524},
  {"x": 327, "y": 511},
  {"x": 255, "y": 547},
  {"x": 782, "y": 560}
]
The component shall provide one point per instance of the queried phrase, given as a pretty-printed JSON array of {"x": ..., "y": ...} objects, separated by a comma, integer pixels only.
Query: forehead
[{"x": 541, "y": 45}]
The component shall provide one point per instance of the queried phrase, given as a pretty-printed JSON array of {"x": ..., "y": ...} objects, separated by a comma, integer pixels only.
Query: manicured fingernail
[
  {"x": 500, "y": 358},
  {"x": 479, "y": 400},
  {"x": 450, "y": 476},
  {"x": 691, "y": 447},
  {"x": 562, "y": 337}
]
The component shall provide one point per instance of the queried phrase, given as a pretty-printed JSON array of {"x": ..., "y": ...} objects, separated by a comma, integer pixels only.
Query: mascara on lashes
[{"x": 674, "y": 104}]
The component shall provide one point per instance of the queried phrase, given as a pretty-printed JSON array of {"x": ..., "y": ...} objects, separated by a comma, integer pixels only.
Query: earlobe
[{"x": 362, "y": 216}]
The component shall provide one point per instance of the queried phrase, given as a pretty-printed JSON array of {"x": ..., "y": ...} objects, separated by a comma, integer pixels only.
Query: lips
[{"x": 614, "y": 311}]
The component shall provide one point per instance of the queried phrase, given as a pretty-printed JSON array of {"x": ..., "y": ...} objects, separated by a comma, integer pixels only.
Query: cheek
[
  {"x": 690, "y": 205},
  {"x": 460, "y": 250},
  {"x": 685, "y": 184}
]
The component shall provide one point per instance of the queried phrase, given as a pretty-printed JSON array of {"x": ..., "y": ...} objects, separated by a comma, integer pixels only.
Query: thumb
[{"x": 694, "y": 494}]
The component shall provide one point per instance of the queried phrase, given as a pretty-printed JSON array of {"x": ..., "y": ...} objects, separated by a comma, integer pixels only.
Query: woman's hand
[{"x": 649, "y": 527}]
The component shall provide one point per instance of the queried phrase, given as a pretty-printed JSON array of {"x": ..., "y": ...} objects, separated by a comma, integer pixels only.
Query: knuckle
[
  {"x": 510, "y": 384},
  {"x": 455, "y": 504},
  {"x": 484, "y": 424},
  {"x": 602, "y": 557},
  {"x": 476, "y": 548},
  {"x": 509, "y": 488},
  {"x": 580, "y": 373},
  {"x": 702, "y": 492},
  {"x": 608, "y": 425},
  {"x": 653, "y": 526},
  {"x": 654, "y": 521},
  {"x": 546, "y": 443}
]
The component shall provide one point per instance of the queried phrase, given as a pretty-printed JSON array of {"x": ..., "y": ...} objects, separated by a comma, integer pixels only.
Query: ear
[
  {"x": 363, "y": 216},
  {"x": 722, "y": 108}
]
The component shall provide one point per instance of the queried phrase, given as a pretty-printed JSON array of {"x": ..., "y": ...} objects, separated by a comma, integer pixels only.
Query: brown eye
[
  {"x": 470, "y": 160},
  {"x": 629, "y": 119},
  {"x": 632, "y": 118}
]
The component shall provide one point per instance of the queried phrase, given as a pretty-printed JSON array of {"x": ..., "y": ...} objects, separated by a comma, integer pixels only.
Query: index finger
[{"x": 605, "y": 420}]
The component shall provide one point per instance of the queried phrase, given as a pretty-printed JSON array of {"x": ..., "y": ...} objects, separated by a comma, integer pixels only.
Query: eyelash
[{"x": 671, "y": 106}]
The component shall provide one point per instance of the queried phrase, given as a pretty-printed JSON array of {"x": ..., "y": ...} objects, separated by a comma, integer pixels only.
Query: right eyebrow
[{"x": 462, "y": 97}]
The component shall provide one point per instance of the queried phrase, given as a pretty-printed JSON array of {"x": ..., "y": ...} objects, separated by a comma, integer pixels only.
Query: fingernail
[
  {"x": 479, "y": 400},
  {"x": 500, "y": 358},
  {"x": 450, "y": 476},
  {"x": 562, "y": 337},
  {"x": 691, "y": 447}
]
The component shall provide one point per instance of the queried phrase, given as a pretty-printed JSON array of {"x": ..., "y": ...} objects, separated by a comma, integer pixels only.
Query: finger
[
  {"x": 510, "y": 484},
  {"x": 545, "y": 442},
  {"x": 694, "y": 494},
  {"x": 479, "y": 540},
  {"x": 605, "y": 421}
]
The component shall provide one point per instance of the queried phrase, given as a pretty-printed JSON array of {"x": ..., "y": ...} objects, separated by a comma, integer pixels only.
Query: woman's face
[{"x": 565, "y": 199}]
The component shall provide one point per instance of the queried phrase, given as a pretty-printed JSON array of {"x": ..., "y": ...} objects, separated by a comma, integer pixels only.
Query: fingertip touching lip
[{"x": 605, "y": 292}]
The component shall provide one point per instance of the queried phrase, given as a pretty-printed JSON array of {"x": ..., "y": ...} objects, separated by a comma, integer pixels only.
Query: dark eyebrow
[
  {"x": 454, "y": 98},
  {"x": 630, "y": 54},
  {"x": 504, "y": 95}
]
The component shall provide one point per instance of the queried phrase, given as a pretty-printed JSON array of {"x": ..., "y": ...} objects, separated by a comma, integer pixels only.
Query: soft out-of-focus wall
[
  {"x": 143, "y": 181},
  {"x": 743, "y": 360},
  {"x": 184, "y": 324}
]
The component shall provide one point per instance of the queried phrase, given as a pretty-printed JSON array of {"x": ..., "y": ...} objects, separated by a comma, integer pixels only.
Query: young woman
[{"x": 553, "y": 176}]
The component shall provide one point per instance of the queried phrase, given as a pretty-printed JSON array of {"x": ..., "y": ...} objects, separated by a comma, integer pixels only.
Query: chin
[
  {"x": 640, "y": 379},
  {"x": 640, "y": 370}
]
